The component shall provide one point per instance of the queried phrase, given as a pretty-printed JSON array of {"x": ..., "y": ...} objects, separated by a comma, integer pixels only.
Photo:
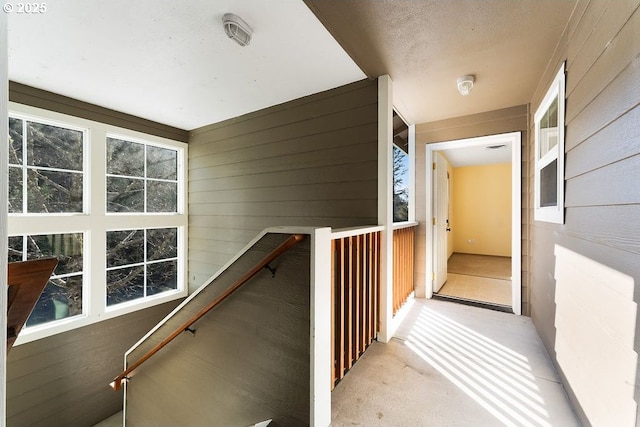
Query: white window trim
[
  {"x": 95, "y": 222},
  {"x": 554, "y": 214}
]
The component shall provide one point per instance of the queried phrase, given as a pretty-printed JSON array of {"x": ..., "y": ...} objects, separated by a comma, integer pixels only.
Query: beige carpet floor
[
  {"x": 476, "y": 288},
  {"x": 496, "y": 267},
  {"x": 482, "y": 278}
]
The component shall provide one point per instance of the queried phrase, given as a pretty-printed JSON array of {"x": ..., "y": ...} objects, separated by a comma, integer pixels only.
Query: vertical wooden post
[
  {"x": 341, "y": 310},
  {"x": 377, "y": 282},
  {"x": 370, "y": 280},
  {"x": 334, "y": 331},
  {"x": 349, "y": 305},
  {"x": 363, "y": 294}
]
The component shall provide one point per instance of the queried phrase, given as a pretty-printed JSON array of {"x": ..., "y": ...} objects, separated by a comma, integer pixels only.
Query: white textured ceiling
[
  {"x": 171, "y": 61},
  {"x": 425, "y": 45}
]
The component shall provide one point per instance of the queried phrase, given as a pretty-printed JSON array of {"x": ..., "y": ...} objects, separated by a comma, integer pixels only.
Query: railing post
[
  {"x": 385, "y": 203},
  {"x": 320, "y": 331}
]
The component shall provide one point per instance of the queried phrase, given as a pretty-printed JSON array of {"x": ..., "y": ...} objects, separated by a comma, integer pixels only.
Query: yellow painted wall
[{"x": 482, "y": 216}]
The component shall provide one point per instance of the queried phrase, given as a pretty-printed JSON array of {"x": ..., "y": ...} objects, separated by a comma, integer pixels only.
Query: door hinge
[
  {"x": 434, "y": 165},
  {"x": 433, "y": 276},
  {"x": 434, "y": 220}
]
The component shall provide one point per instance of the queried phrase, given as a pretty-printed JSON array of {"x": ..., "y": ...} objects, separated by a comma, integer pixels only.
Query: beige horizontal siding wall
[
  {"x": 311, "y": 162},
  {"x": 513, "y": 119},
  {"x": 602, "y": 197}
]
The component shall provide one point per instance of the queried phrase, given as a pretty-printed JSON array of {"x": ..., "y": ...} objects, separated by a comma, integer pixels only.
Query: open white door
[{"x": 441, "y": 220}]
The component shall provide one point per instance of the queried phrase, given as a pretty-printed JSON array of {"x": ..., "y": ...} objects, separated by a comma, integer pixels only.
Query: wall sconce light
[
  {"x": 465, "y": 84},
  {"x": 237, "y": 29}
]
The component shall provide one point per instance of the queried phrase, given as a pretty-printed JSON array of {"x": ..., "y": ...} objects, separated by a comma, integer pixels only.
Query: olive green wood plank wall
[
  {"x": 310, "y": 162},
  {"x": 63, "y": 380},
  {"x": 248, "y": 360}
]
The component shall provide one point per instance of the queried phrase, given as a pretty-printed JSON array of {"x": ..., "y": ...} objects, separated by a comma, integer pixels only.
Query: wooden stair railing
[
  {"x": 116, "y": 384},
  {"x": 26, "y": 281},
  {"x": 403, "y": 266},
  {"x": 356, "y": 296}
]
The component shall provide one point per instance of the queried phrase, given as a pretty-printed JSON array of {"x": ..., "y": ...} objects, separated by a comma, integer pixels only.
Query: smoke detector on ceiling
[
  {"x": 465, "y": 84},
  {"x": 237, "y": 29}
]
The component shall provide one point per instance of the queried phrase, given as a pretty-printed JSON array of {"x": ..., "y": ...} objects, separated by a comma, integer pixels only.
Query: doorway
[{"x": 475, "y": 261}]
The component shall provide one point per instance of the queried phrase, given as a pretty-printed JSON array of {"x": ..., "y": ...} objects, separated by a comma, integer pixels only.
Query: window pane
[
  {"x": 15, "y": 248},
  {"x": 549, "y": 185},
  {"x": 15, "y": 141},
  {"x": 162, "y": 196},
  {"x": 55, "y": 147},
  {"x": 125, "y": 284},
  {"x": 549, "y": 129},
  {"x": 125, "y": 247},
  {"x": 162, "y": 277},
  {"x": 66, "y": 247},
  {"x": 125, "y": 158},
  {"x": 51, "y": 191},
  {"x": 400, "y": 191},
  {"x": 162, "y": 243},
  {"x": 61, "y": 298},
  {"x": 400, "y": 185},
  {"x": 125, "y": 195},
  {"x": 162, "y": 163},
  {"x": 15, "y": 190}
]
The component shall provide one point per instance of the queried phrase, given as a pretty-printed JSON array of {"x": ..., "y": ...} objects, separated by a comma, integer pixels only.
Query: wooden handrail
[{"x": 290, "y": 242}]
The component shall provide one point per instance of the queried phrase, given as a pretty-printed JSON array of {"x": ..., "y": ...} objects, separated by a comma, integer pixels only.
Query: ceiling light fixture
[
  {"x": 237, "y": 29},
  {"x": 465, "y": 84}
]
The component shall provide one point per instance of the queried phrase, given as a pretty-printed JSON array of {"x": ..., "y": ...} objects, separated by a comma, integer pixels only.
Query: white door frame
[
  {"x": 440, "y": 177},
  {"x": 514, "y": 140}
]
